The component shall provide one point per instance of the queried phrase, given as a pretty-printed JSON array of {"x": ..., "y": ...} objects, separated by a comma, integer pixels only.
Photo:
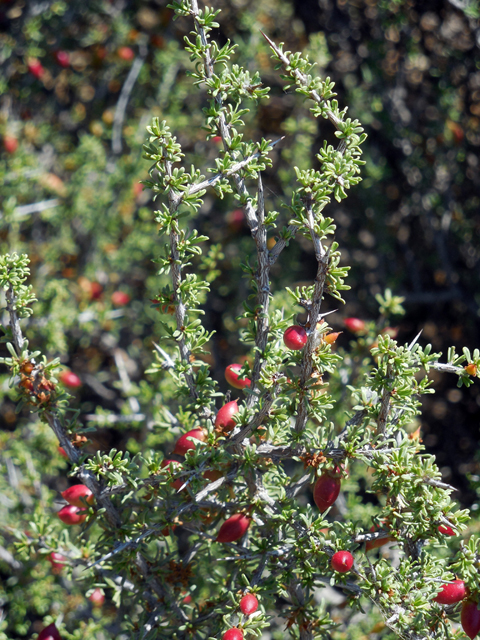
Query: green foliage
[{"x": 149, "y": 539}]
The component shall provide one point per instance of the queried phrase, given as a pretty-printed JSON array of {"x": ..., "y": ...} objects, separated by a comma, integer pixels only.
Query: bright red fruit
[
  {"x": 248, "y": 604},
  {"x": 451, "y": 592},
  {"x": 126, "y": 53},
  {"x": 49, "y": 633},
  {"x": 470, "y": 618},
  {"x": 10, "y": 143},
  {"x": 35, "y": 67},
  {"x": 73, "y": 495},
  {"x": 326, "y": 491},
  {"x": 355, "y": 325},
  {"x": 120, "y": 298},
  {"x": 97, "y": 598},
  {"x": 96, "y": 291},
  {"x": 70, "y": 379},
  {"x": 233, "y": 528},
  {"x": 57, "y": 561},
  {"x": 446, "y": 530},
  {"x": 62, "y": 58},
  {"x": 184, "y": 443},
  {"x": 224, "y": 419},
  {"x": 174, "y": 466},
  {"x": 295, "y": 337},
  {"x": 342, "y": 561},
  {"x": 62, "y": 452},
  {"x": 231, "y": 376},
  {"x": 71, "y": 515},
  {"x": 233, "y": 634}
]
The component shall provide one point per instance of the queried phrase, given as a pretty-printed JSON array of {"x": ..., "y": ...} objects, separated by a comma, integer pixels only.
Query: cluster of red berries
[
  {"x": 74, "y": 512},
  {"x": 236, "y": 525}
]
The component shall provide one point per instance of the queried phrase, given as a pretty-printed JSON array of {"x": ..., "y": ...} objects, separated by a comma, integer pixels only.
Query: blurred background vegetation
[{"x": 80, "y": 81}]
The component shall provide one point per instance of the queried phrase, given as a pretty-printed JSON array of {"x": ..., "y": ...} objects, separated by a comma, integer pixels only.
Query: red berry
[
  {"x": 470, "y": 618},
  {"x": 233, "y": 634},
  {"x": 49, "y": 633},
  {"x": 10, "y": 143},
  {"x": 96, "y": 291},
  {"x": 326, "y": 491},
  {"x": 446, "y": 530},
  {"x": 184, "y": 443},
  {"x": 97, "y": 598},
  {"x": 126, "y": 53},
  {"x": 471, "y": 369},
  {"x": 231, "y": 376},
  {"x": 120, "y": 298},
  {"x": 57, "y": 561},
  {"x": 248, "y": 604},
  {"x": 73, "y": 495},
  {"x": 295, "y": 337},
  {"x": 451, "y": 592},
  {"x": 224, "y": 419},
  {"x": 342, "y": 561},
  {"x": 62, "y": 452},
  {"x": 35, "y": 67},
  {"x": 173, "y": 466},
  {"x": 233, "y": 528},
  {"x": 355, "y": 325},
  {"x": 62, "y": 58},
  {"x": 70, "y": 379},
  {"x": 71, "y": 515}
]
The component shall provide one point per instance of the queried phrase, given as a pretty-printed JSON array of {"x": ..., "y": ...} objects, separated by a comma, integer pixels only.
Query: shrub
[{"x": 176, "y": 560}]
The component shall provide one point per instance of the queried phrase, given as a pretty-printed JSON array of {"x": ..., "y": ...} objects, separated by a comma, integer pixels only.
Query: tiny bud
[
  {"x": 330, "y": 338},
  {"x": 471, "y": 369}
]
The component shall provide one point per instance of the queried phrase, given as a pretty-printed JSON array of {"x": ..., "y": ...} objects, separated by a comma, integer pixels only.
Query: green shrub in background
[{"x": 97, "y": 239}]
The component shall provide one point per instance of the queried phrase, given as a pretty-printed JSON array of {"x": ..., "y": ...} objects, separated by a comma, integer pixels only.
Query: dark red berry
[
  {"x": 342, "y": 561},
  {"x": 71, "y": 515},
  {"x": 451, "y": 592},
  {"x": 231, "y": 376},
  {"x": 224, "y": 418},
  {"x": 233, "y": 528},
  {"x": 49, "y": 633},
  {"x": 184, "y": 443},
  {"x": 248, "y": 604},
  {"x": 326, "y": 491},
  {"x": 470, "y": 618},
  {"x": 295, "y": 337}
]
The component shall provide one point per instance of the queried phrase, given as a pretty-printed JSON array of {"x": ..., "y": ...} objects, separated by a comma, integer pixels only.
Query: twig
[
  {"x": 36, "y": 207},
  {"x": 121, "y": 106},
  {"x": 125, "y": 380}
]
